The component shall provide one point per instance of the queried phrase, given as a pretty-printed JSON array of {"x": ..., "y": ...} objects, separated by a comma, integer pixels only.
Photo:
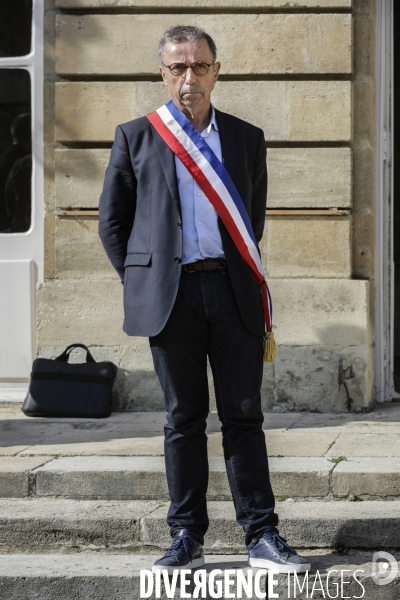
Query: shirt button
[
  {"x": 199, "y": 193},
  {"x": 177, "y": 259},
  {"x": 200, "y": 223}
]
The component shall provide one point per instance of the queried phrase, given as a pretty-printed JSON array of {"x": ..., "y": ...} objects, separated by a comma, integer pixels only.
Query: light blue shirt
[{"x": 201, "y": 237}]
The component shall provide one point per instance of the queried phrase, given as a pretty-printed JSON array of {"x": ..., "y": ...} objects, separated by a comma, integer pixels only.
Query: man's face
[{"x": 189, "y": 90}]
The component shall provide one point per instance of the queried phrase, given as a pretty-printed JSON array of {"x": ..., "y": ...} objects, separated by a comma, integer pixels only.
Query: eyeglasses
[{"x": 198, "y": 68}]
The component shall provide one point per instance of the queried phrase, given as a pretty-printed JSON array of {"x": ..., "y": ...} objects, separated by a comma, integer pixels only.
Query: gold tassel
[{"x": 269, "y": 347}]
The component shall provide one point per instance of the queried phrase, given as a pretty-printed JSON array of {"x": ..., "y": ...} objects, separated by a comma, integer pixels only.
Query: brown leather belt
[{"x": 209, "y": 264}]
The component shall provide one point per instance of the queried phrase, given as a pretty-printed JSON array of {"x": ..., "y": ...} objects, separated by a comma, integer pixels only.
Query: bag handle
[{"x": 65, "y": 355}]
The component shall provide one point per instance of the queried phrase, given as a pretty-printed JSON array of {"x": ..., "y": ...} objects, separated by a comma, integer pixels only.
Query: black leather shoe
[
  {"x": 272, "y": 552},
  {"x": 185, "y": 552}
]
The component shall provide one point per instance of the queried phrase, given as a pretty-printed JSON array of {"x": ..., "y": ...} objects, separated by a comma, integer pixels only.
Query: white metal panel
[{"x": 17, "y": 323}]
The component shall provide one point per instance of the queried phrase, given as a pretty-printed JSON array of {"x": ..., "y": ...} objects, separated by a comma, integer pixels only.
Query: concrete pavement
[
  {"x": 97, "y": 489},
  {"x": 373, "y": 434},
  {"x": 105, "y": 577},
  {"x": 311, "y": 455}
]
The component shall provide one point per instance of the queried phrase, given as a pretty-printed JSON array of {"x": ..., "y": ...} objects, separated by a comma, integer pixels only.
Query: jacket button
[
  {"x": 177, "y": 259},
  {"x": 179, "y": 225}
]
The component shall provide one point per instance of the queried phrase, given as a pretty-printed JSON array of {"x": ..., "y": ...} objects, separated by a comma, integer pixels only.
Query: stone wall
[{"x": 300, "y": 70}]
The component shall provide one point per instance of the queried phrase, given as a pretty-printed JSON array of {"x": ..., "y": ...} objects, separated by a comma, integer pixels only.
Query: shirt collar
[{"x": 213, "y": 123}]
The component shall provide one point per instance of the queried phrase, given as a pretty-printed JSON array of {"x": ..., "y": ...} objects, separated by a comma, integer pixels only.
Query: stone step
[
  {"x": 110, "y": 577},
  {"x": 59, "y": 525},
  {"x": 143, "y": 477}
]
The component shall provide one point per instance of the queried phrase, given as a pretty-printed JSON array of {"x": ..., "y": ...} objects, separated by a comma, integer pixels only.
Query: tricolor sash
[{"x": 214, "y": 180}]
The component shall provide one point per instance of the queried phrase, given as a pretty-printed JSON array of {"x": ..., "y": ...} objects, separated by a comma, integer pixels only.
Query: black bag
[{"x": 60, "y": 389}]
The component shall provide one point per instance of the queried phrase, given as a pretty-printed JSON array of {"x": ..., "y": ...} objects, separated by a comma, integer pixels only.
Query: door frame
[
  {"x": 384, "y": 265},
  {"x": 29, "y": 246}
]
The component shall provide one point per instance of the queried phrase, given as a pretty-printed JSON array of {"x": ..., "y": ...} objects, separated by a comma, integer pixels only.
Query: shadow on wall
[
  {"x": 137, "y": 390},
  {"x": 303, "y": 377},
  {"x": 306, "y": 377}
]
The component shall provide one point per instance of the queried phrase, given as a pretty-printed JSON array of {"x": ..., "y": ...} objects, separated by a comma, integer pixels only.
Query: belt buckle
[{"x": 185, "y": 267}]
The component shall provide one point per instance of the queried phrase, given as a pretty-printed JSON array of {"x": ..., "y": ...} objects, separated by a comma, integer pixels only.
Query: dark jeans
[{"x": 205, "y": 321}]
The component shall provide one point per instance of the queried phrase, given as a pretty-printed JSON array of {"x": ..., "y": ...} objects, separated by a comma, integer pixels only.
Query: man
[{"x": 188, "y": 288}]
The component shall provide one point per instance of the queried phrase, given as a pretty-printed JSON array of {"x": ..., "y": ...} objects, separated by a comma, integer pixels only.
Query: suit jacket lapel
[
  {"x": 226, "y": 131},
  {"x": 167, "y": 159},
  {"x": 227, "y": 136}
]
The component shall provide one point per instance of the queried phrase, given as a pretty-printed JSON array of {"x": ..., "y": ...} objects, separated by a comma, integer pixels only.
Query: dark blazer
[{"x": 140, "y": 220}]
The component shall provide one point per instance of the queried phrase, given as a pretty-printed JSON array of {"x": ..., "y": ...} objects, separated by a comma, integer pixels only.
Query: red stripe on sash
[
  {"x": 266, "y": 306},
  {"x": 217, "y": 203}
]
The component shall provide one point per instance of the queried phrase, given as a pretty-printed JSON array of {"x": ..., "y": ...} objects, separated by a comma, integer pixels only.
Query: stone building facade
[{"x": 303, "y": 71}]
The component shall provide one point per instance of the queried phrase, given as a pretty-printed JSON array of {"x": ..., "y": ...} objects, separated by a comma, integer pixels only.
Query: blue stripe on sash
[{"x": 216, "y": 164}]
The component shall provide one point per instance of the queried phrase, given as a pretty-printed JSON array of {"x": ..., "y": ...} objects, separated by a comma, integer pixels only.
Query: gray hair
[{"x": 183, "y": 33}]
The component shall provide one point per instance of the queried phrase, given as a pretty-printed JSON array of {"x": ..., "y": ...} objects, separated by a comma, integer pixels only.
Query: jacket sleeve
[
  {"x": 259, "y": 199},
  {"x": 117, "y": 203}
]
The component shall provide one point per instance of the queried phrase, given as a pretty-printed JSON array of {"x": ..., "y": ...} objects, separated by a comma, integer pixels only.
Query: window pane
[
  {"x": 15, "y": 151},
  {"x": 15, "y": 27}
]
